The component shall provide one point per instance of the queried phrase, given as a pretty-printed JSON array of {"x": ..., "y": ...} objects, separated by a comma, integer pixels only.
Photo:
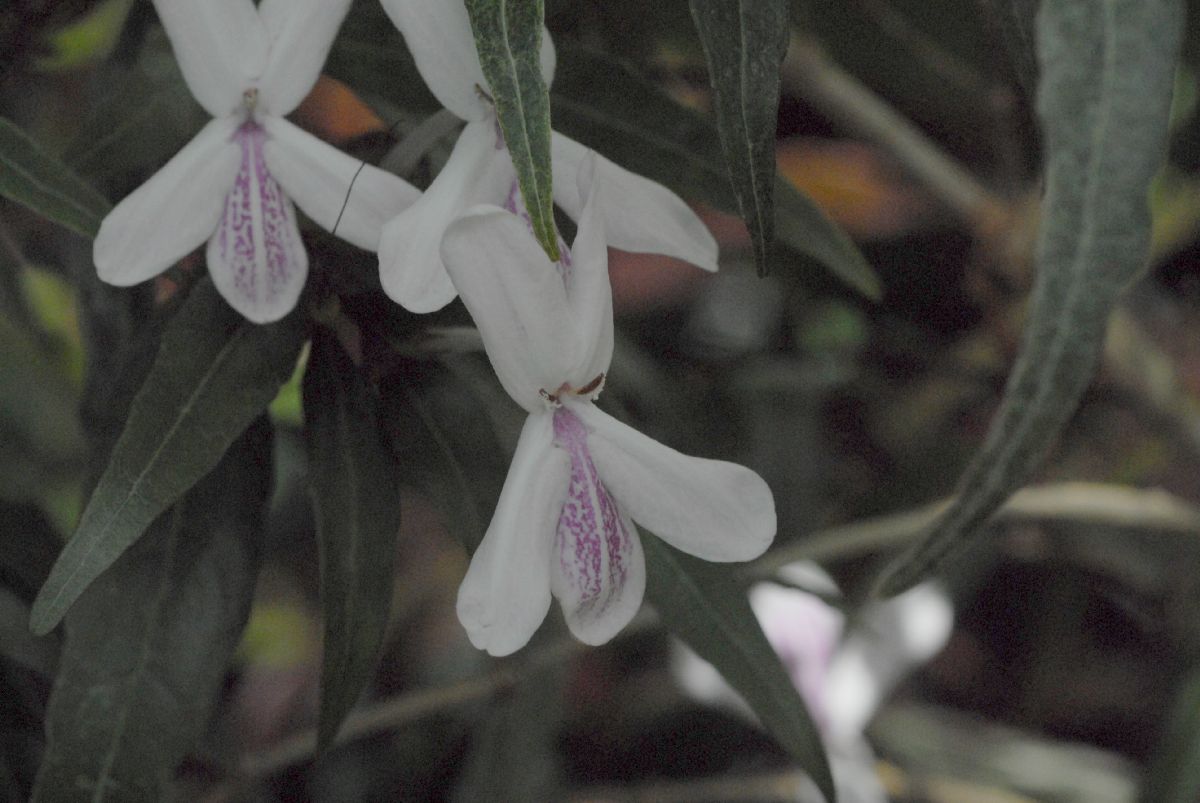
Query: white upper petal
[
  {"x": 712, "y": 509},
  {"x": 176, "y": 209},
  {"x": 517, "y": 298},
  {"x": 342, "y": 194},
  {"x": 410, "y": 261},
  {"x": 640, "y": 215},
  {"x": 589, "y": 291},
  {"x": 300, "y": 33},
  {"x": 221, "y": 47},
  {"x": 438, "y": 34},
  {"x": 506, "y": 592}
]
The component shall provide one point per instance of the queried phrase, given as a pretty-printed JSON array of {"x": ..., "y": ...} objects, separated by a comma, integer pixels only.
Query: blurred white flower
[
  {"x": 234, "y": 183},
  {"x": 843, "y": 677},
  {"x": 564, "y": 524},
  {"x": 639, "y": 215}
]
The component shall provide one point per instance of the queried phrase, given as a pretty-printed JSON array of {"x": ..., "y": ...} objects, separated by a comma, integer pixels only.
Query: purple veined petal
[
  {"x": 506, "y": 592},
  {"x": 438, "y": 34},
  {"x": 221, "y": 47},
  {"x": 639, "y": 215},
  {"x": 598, "y": 572},
  {"x": 410, "y": 261},
  {"x": 176, "y": 210},
  {"x": 712, "y": 509},
  {"x": 340, "y": 193},
  {"x": 256, "y": 257},
  {"x": 300, "y": 33}
]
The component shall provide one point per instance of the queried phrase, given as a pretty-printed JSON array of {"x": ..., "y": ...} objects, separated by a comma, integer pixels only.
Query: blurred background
[{"x": 1057, "y": 660}]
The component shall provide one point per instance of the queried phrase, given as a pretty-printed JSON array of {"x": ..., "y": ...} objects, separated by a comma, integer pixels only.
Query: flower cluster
[{"x": 565, "y": 522}]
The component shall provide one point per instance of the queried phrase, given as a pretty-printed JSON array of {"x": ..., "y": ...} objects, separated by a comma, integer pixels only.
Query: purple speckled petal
[
  {"x": 256, "y": 256},
  {"x": 599, "y": 572}
]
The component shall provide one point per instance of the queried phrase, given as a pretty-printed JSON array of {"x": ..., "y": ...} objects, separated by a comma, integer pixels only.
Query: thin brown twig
[
  {"x": 1081, "y": 502},
  {"x": 401, "y": 710},
  {"x": 811, "y": 74}
]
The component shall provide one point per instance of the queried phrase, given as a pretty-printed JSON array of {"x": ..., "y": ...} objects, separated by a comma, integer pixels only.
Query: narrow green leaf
[
  {"x": 608, "y": 107},
  {"x": 508, "y": 36},
  {"x": 1107, "y": 74},
  {"x": 744, "y": 43},
  {"x": 214, "y": 373},
  {"x": 702, "y": 605},
  {"x": 148, "y": 647},
  {"x": 37, "y": 180},
  {"x": 355, "y": 490},
  {"x": 1174, "y": 774}
]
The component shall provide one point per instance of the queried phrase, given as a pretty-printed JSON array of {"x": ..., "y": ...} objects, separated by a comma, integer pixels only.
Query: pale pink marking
[
  {"x": 592, "y": 542},
  {"x": 256, "y": 237}
]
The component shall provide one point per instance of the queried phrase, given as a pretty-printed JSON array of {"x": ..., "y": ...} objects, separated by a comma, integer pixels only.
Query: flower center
[{"x": 590, "y": 390}]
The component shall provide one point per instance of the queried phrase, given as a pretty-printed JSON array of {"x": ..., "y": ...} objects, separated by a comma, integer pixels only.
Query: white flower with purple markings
[
  {"x": 639, "y": 215},
  {"x": 564, "y": 524},
  {"x": 234, "y": 184}
]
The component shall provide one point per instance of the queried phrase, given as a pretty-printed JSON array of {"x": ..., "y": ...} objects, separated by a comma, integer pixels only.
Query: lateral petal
[
  {"x": 221, "y": 47},
  {"x": 712, "y": 509},
  {"x": 176, "y": 209},
  {"x": 589, "y": 290},
  {"x": 300, "y": 33},
  {"x": 410, "y": 261},
  {"x": 506, "y": 592},
  {"x": 598, "y": 572},
  {"x": 517, "y": 298},
  {"x": 640, "y": 215},
  {"x": 256, "y": 257},
  {"x": 343, "y": 195},
  {"x": 439, "y": 36}
]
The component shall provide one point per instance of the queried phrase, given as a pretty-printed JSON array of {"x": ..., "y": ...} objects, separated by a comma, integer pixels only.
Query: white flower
[
  {"x": 639, "y": 215},
  {"x": 234, "y": 183},
  {"x": 843, "y": 678},
  {"x": 564, "y": 524}
]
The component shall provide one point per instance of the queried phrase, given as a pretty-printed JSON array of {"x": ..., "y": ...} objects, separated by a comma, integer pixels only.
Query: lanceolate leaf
[
  {"x": 508, "y": 36},
  {"x": 215, "y": 372},
  {"x": 149, "y": 643},
  {"x": 744, "y": 42},
  {"x": 1107, "y": 72},
  {"x": 607, "y": 107},
  {"x": 355, "y": 490},
  {"x": 1174, "y": 776},
  {"x": 35, "y": 179},
  {"x": 701, "y": 604}
]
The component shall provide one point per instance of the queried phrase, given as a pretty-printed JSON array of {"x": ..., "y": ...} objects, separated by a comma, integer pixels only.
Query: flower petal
[
  {"x": 256, "y": 257},
  {"x": 589, "y": 291},
  {"x": 438, "y": 34},
  {"x": 221, "y": 47},
  {"x": 410, "y": 262},
  {"x": 598, "y": 572},
  {"x": 640, "y": 215},
  {"x": 173, "y": 212},
  {"x": 342, "y": 194},
  {"x": 300, "y": 33},
  {"x": 517, "y": 299},
  {"x": 506, "y": 592},
  {"x": 712, "y": 509}
]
